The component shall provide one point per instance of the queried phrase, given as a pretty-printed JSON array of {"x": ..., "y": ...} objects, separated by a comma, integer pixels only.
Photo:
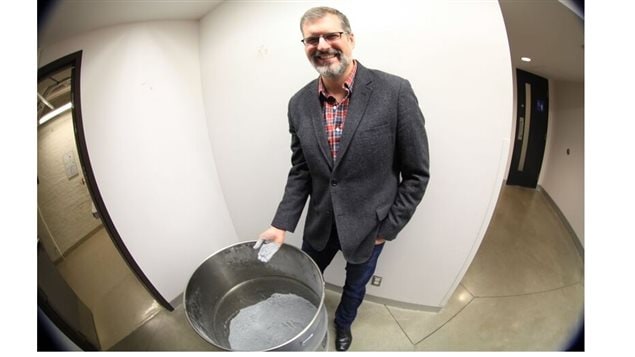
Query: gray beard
[{"x": 334, "y": 70}]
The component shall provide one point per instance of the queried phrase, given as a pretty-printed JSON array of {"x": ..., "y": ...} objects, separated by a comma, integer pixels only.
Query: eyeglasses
[{"x": 328, "y": 37}]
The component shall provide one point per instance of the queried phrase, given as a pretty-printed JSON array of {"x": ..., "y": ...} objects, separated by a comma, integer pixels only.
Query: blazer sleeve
[
  {"x": 412, "y": 159},
  {"x": 297, "y": 188}
]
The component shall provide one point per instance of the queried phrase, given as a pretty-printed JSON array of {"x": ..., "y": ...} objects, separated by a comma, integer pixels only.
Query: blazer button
[{"x": 333, "y": 183}]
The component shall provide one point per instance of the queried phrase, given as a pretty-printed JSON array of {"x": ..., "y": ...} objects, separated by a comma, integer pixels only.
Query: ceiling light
[
  {"x": 56, "y": 112},
  {"x": 525, "y": 59}
]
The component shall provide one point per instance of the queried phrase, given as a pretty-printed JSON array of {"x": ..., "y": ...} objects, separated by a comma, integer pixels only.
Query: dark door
[{"x": 531, "y": 129}]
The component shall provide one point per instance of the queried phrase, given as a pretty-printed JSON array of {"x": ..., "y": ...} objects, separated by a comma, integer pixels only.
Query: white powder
[{"x": 270, "y": 323}]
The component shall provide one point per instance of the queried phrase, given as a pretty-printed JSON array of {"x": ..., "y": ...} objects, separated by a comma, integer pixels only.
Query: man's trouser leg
[{"x": 357, "y": 276}]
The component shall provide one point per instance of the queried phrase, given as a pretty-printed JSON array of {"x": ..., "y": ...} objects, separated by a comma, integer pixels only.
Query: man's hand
[
  {"x": 379, "y": 240},
  {"x": 274, "y": 235},
  {"x": 273, "y": 239}
]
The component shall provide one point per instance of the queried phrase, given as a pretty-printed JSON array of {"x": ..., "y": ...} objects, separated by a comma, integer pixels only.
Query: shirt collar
[{"x": 348, "y": 84}]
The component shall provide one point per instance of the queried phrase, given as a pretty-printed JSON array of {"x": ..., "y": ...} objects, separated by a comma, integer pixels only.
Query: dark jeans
[{"x": 357, "y": 276}]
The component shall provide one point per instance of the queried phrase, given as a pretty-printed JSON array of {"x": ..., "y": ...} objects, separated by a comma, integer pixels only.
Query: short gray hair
[{"x": 319, "y": 12}]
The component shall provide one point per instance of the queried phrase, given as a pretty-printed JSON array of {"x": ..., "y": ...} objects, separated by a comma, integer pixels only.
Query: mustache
[{"x": 332, "y": 51}]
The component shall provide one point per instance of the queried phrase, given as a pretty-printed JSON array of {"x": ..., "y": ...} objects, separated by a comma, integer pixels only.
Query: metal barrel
[{"x": 232, "y": 285}]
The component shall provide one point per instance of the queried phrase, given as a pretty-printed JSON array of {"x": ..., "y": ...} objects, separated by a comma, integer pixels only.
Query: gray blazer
[{"x": 381, "y": 171}]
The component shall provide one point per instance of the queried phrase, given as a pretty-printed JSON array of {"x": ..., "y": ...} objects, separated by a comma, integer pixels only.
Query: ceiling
[
  {"x": 548, "y": 32},
  {"x": 53, "y": 92},
  {"x": 545, "y": 30}
]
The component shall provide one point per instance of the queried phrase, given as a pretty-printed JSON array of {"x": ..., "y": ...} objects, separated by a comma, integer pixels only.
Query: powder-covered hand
[{"x": 267, "y": 250}]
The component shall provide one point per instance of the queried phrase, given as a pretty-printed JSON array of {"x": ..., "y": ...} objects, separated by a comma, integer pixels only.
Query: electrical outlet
[{"x": 376, "y": 281}]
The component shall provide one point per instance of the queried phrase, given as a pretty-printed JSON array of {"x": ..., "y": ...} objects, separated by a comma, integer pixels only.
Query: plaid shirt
[{"x": 335, "y": 113}]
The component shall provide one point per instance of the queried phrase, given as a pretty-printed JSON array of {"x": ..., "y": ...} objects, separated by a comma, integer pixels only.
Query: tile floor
[{"x": 523, "y": 292}]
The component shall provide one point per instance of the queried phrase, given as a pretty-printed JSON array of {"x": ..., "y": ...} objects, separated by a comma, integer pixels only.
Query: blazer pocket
[
  {"x": 377, "y": 139},
  {"x": 375, "y": 129}
]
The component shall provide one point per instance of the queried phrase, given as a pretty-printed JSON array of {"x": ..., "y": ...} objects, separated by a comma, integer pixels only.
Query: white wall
[
  {"x": 456, "y": 56},
  {"x": 147, "y": 138},
  {"x": 562, "y": 174}
]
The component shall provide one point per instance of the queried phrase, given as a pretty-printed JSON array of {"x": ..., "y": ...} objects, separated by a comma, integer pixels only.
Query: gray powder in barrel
[{"x": 270, "y": 322}]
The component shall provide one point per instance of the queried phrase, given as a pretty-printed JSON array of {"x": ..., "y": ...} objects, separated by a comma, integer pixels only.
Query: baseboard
[
  {"x": 177, "y": 301},
  {"x": 567, "y": 225},
  {"x": 389, "y": 302}
]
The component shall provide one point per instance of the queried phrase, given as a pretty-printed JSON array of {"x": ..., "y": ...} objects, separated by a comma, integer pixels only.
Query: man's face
[{"x": 330, "y": 58}]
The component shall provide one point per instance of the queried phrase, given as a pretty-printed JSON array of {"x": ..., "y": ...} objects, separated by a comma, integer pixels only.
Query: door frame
[{"x": 74, "y": 60}]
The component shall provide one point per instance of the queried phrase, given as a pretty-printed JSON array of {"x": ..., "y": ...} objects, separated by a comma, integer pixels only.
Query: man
[{"x": 359, "y": 150}]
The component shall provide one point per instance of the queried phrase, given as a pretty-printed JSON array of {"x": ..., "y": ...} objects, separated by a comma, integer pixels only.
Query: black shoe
[{"x": 343, "y": 339}]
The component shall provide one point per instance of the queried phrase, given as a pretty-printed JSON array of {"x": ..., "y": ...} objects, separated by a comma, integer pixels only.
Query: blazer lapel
[
  {"x": 314, "y": 110},
  {"x": 362, "y": 88}
]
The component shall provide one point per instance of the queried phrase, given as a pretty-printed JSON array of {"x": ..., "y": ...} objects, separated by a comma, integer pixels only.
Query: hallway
[
  {"x": 101, "y": 279},
  {"x": 524, "y": 291}
]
